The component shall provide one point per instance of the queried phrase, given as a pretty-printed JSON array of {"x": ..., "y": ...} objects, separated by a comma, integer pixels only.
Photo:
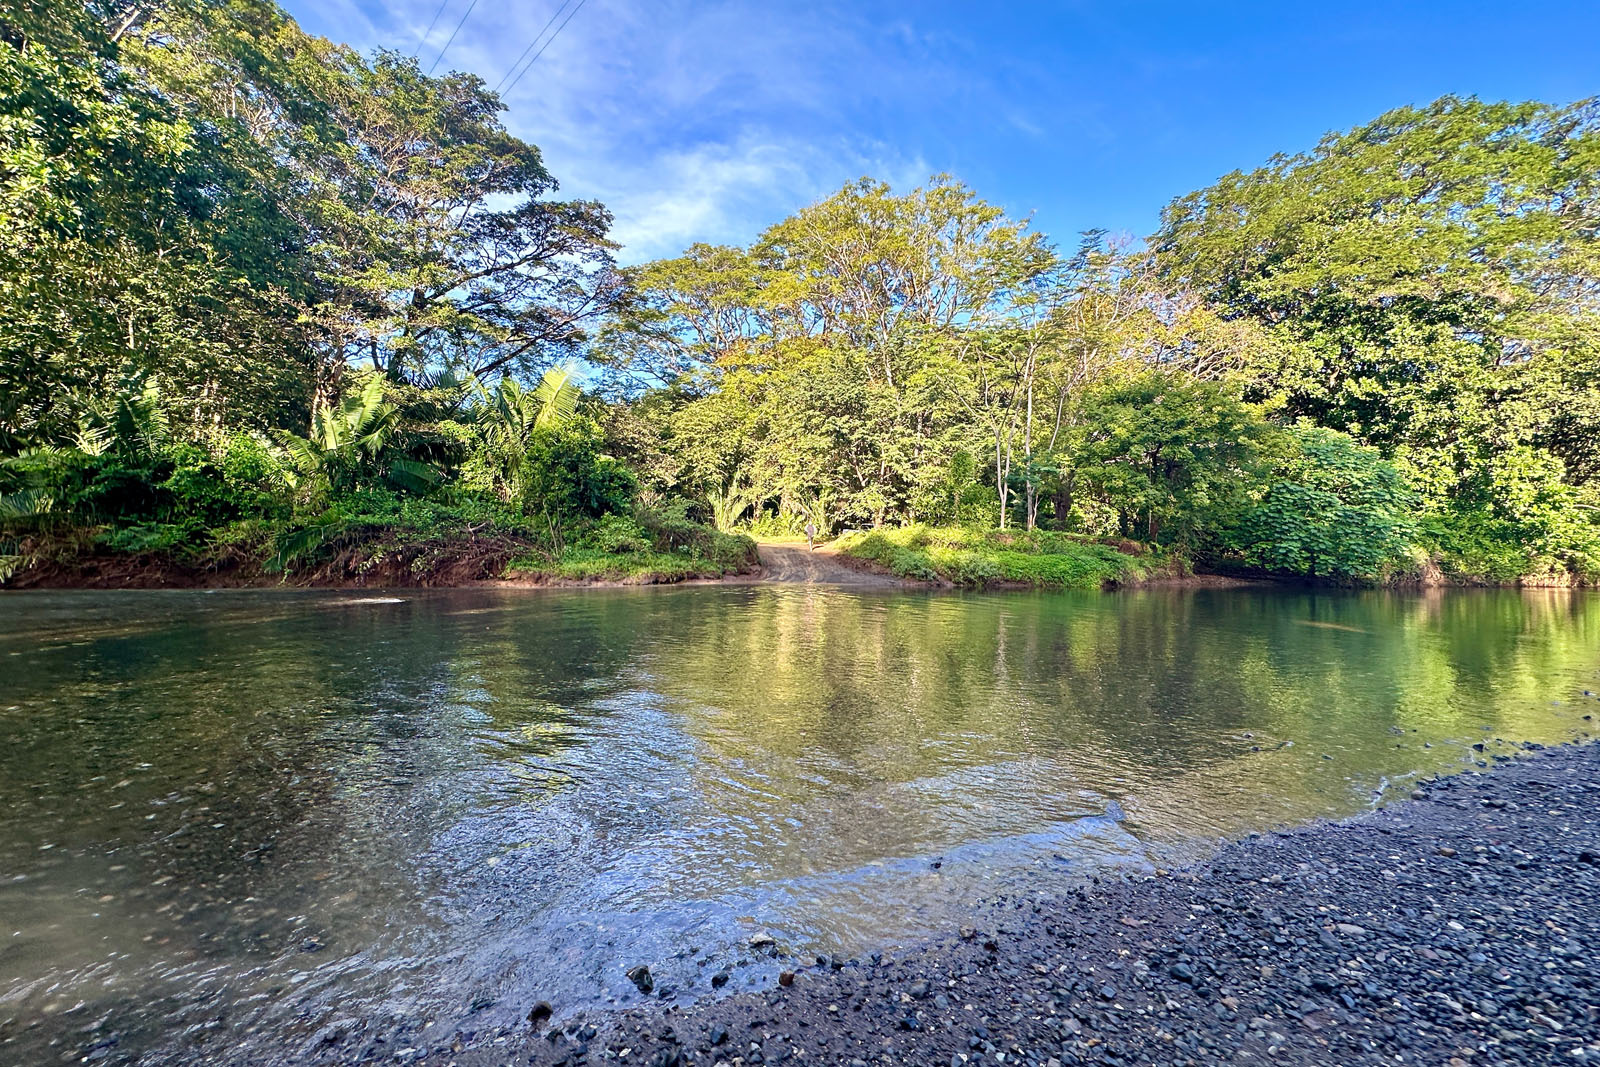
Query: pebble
[{"x": 1352, "y": 944}]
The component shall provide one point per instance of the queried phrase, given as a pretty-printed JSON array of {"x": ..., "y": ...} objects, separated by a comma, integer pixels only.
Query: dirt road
[{"x": 798, "y": 564}]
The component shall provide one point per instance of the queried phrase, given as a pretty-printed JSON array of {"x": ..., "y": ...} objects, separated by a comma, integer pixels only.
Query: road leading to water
[{"x": 796, "y": 563}]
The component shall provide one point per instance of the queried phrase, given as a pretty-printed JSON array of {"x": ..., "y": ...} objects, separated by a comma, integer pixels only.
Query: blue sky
[{"x": 708, "y": 120}]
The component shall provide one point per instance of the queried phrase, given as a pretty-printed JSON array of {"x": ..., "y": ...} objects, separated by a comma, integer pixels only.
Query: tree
[
  {"x": 349, "y": 445},
  {"x": 439, "y": 247},
  {"x": 1331, "y": 508},
  {"x": 508, "y": 421},
  {"x": 134, "y": 229},
  {"x": 1429, "y": 283},
  {"x": 1170, "y": 454},
  {"x": 819, "y": 358}
]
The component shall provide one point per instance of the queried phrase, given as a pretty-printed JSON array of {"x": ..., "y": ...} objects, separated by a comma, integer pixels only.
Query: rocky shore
[{"x": 1457, "y": 928}]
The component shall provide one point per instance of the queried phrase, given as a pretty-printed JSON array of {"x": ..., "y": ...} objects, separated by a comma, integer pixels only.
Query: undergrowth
[{"x": 981, "y": 558}]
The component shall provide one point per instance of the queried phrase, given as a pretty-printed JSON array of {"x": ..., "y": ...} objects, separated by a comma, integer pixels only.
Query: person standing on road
[{"x": 811, "y": 535}]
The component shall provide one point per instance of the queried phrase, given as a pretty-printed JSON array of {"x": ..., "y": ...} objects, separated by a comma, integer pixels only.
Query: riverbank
[
  {"x": 1453, "y": 928},
  {"x": 400, "y": 560},
  {"x": 903, "y": 558},
  {"x": 511, "y": 563},
  {"x": 1002, "y": 559}
]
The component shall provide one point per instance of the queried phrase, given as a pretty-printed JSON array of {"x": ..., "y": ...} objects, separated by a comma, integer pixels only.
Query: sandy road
[{"x": 797, "y": 564}]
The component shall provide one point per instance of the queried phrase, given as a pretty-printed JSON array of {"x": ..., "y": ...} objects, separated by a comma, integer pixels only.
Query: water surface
[{"x": 230, "y": 822}]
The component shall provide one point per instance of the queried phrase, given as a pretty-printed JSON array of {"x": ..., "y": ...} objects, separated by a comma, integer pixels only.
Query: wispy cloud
[{"x": 691, "y": 121}]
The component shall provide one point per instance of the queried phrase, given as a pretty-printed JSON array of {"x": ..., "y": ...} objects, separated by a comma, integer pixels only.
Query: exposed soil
[
  {"x": 444, "y": 562},
  {"x": 1458, "y": 928},
  {"x": 782, "y": 562}
]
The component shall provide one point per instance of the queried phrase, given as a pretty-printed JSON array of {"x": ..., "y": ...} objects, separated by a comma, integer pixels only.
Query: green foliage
[
  {"x": 348, "y": 448},
  {"x": 671, "y": 529},
  {"x": 1171, "y": 455},
  {"x": 567, "y": 478},
  {"x": 618, "y": 534},
  {"x": 980, "y": 558},
  {"x": 135, "y": 226},
  {"x": 1426, "y": 281},
  {"x": 655, "y": 545},
  {"x": 379, "y": 520},
  {"x": 264, "y": 297},
  {"x": 1331, "y": 508},
  {"x": 597, "y": 565},
  {"x": 729, "y": 505},
  {"x": 508, "y": 422}
]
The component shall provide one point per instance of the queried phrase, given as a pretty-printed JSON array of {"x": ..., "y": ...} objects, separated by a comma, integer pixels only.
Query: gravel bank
[{"x": 1459, "y": 928}]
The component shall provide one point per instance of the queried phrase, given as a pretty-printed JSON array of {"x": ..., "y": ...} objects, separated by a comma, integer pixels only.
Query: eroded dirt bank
[{"x": 1456, "y": 928}]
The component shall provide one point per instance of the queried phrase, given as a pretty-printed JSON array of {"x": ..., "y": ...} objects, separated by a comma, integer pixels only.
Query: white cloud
[
  {"x": 727, "y": 193},
  {"x": 691, "y": 121}
]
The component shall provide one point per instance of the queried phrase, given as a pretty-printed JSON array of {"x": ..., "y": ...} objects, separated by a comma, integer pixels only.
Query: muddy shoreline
[
  {"x": 1458, "y": 927},
  {"x": 484, "y": 569},
  {"x": 788, "y": 565}
]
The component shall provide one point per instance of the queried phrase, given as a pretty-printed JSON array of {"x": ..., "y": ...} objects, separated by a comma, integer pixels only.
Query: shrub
[
  {"x": 1333, "y": 508},
  {"x": 618, "y": 533},
  {"x": 978, "y": 558}
]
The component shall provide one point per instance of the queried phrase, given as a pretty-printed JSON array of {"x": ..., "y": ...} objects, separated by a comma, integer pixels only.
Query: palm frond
[
  {"x": 412, "y": 475},
  {"x": 25, "y": 504},
  {"x": 557, "y": 397},
  {"x": 302, "y": 457},
  {"x": 297, "y": 546},
  {"x": 92, "y": 439}
]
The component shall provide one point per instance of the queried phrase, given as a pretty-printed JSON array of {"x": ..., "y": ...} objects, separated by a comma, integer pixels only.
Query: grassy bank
[
  {"x": 373, "y": 539},
  {"x": 988, "y": 558},
  {"x": 649, "y": 548}
]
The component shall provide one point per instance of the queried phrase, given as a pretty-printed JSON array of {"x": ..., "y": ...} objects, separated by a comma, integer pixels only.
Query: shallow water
[{"x": 230, "y": 820}]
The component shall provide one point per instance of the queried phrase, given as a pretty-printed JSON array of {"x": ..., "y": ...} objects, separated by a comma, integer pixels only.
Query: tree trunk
[
  {"x": 1000, "y": 472},
  {"x": 1064, "y": 500}
]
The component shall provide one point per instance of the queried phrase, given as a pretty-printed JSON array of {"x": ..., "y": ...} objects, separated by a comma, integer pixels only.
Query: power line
[
  {"x": 531, "y": 43},
  {"x": 424, "y": 38},
  {"x": 453, "y": 33},
  {"x": 547, "y": 44}
]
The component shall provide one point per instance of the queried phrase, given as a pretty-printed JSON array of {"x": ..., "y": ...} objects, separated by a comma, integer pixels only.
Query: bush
[
  {"x": 617, "y": 533},
  {"x": 981, "y": 558},
  {"x": 387, "y": 520},
  {"x": 1332, "y": 509},
  {"x": 567, "y": 478}
]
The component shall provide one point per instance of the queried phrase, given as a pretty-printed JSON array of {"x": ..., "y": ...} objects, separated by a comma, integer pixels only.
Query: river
[{"x": 237, "y": 821}]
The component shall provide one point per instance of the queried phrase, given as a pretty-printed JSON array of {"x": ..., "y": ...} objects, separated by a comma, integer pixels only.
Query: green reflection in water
[{"x": 276, "y": 807}]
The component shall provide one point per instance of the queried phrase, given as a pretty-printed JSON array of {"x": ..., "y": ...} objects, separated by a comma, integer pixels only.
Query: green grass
[
  {"x": 981, "y": 558},
  {"x": 646, "y": 549}
]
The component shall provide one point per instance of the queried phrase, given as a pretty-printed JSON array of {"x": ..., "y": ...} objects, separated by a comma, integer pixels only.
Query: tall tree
[{"x": 437, "y": 244}]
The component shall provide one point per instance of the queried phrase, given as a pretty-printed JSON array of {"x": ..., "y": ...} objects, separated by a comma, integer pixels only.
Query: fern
[{"x": 293, "y": 547}]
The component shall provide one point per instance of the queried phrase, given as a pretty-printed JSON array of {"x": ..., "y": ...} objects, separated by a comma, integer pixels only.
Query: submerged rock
[{"x": 641, "y": 977}]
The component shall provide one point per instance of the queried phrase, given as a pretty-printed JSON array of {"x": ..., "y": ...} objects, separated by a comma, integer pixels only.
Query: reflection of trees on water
[
  {"x": 289, "y": 720},
  {"x": 373, "y": 774},
  {"x": 838, "y": 695}
]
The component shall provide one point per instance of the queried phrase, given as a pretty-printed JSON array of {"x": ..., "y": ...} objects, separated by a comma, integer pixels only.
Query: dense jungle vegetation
[{"x": 272, "y": 307}]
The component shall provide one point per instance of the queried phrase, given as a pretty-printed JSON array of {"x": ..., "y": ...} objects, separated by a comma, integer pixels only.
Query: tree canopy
[{"x": 250, "y": 276}]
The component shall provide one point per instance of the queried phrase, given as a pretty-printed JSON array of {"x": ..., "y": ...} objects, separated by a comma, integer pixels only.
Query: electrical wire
[
  {"x": 540, "y": 52},
  {"x": 434, "y": 22},
  {"x": 531, "y": 43},
  {"x": 453, "y": 33}
]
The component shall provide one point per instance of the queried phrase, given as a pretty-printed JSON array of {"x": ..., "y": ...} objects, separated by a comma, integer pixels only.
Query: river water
[{"x": 233, "y": 822}]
